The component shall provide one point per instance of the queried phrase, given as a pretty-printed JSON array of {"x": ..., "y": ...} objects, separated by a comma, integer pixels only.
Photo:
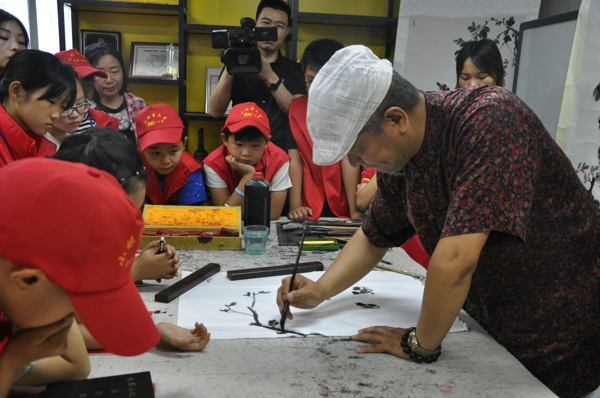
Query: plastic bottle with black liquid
[{"x": 257, "y": 201}]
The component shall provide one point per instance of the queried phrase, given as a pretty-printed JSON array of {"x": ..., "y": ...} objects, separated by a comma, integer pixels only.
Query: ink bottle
[{"x": 257, "y": 201}]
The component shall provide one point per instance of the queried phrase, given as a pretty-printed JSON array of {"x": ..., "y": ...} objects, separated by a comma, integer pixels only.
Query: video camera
[{"x": 242, "y": 56}]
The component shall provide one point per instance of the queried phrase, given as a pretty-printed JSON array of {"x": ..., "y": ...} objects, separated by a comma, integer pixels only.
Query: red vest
[
  {"x": 17, "y": 144},
  {"x": 274, "y": 159},
  {"x": 367, "y": 174},
  {"x": 6, "y": 329},
  {"x": 414, "y": 248},
  {"x": 319, "y": 182},
  {"x": 102, "y": 119},
  {"x": 173, "y": 181}
]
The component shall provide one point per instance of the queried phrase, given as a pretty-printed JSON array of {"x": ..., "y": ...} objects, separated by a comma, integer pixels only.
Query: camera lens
[{"x": 244, "y": 59}]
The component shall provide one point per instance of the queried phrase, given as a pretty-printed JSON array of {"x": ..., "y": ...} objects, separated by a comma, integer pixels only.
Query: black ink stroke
[
  {"x": 272, "y": 324},
  {"x": 369, "y": 306},
  {"x": 362, "y": 290}
]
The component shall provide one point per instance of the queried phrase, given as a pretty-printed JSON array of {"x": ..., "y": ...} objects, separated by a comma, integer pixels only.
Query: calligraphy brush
[{"x": 286, "y": 305}]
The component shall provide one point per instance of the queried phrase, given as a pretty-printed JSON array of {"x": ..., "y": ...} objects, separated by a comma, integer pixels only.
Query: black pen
[
  {"x": 161, "y": 249},
  {"x": 286, "y": 305}
]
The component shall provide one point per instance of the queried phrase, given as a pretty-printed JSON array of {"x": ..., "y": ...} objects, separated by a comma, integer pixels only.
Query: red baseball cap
[
  {"x": 76, "y": 224},
  {"x": 158, "y": 124},
  {"x": 80, "y": 63},
  {"x": 247, "y": 114}
]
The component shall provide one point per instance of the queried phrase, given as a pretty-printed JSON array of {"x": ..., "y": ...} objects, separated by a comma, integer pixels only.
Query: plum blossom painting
[{"x": 247, "y": 308}]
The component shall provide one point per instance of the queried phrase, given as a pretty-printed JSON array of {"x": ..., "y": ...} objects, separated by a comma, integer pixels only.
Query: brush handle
[{"x": 286, "y": 305}]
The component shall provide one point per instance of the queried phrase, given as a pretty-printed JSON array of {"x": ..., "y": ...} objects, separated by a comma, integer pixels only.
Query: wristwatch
[{"x": 275, "y": 86}]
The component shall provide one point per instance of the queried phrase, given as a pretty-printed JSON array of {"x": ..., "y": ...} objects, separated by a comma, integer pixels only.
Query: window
[
  {"x": 47, "y": 22},
  {"x": 46, "y": 37},
  {"x": 18, "y": 8}
]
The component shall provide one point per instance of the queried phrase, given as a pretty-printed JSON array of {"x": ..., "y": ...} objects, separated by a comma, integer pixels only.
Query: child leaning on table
[
  {"x": 63, "y": 251},
  {"x": 246, "y": 135},
  {"x": 109, "y": 151},
  {"x": 174, "y": 176}
]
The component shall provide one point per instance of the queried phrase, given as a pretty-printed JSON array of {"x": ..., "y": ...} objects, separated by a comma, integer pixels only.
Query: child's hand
[
  {"x": 29, "y": 345},
  {"x": 184, "y": 339},
  {"x": 242, "y": 168},
  {"x": 358, "y": 215},
  {"x": 149, "y": 265},
  {"x": 300, "y": 213}
]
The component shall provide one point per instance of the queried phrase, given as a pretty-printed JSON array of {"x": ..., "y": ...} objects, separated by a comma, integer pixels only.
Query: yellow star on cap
[{"x": 131, "y": 242}]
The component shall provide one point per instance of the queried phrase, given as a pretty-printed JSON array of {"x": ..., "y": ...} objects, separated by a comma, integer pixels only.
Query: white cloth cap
[{"x": 343, "y": 97}]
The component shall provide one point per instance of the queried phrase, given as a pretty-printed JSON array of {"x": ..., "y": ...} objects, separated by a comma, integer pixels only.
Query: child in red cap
[
  {"x": 115, "y": 154},
  {"x": 174, "y": 176},
  {"x": 46, "y": 277},
  {"x": 246, "y": 149},
  {"x": 81, "y": 116}
]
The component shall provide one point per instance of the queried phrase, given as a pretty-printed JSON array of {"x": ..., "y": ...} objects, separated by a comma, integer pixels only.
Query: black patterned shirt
[{"x": 487, "y": 163}]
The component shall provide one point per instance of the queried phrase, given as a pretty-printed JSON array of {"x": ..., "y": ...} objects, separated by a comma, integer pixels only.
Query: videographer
[{"x": 279, "y": 80}]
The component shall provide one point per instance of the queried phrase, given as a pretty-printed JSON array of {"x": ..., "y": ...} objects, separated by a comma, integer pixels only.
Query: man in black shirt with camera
[{"x": 279, "y": 80}]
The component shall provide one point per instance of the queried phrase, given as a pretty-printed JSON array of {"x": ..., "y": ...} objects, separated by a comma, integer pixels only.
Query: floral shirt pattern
[{"x": 487, "y": 163}]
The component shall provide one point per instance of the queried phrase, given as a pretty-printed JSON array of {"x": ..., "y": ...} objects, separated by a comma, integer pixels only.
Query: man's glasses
[{"x": 81, "y": 108}]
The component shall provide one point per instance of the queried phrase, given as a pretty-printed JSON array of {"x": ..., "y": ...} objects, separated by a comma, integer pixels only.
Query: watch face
[{"x": 275, "y": 86}]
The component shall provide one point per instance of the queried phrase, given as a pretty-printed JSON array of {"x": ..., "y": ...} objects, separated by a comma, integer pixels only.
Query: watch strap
[{"x": 275, "y": 86}]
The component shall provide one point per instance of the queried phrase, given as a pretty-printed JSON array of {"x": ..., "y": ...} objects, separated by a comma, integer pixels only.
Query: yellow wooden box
[{"x": 190, "y": 227}]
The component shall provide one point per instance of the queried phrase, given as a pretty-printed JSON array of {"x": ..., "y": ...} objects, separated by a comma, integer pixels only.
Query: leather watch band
[{"x": 275, "y": 86}]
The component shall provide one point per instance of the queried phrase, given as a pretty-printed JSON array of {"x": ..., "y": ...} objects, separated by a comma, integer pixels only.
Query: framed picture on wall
[
  {"x": 212, "y": 78},
  {"x": 100, "y": 36},
  {"x": 151, "y": 60}
]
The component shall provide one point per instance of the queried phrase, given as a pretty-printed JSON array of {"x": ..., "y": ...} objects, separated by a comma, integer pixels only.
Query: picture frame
[
  {"x": 88, "y": 37},
  {"x": 212, "y": 78},
  {"x": 149, "y": 60}
]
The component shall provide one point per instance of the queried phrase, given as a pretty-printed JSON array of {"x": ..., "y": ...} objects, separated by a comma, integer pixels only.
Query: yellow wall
[
  {"x": 200, "y": 56},
  {"x": 164, "y": 29},
  {"x": 224, "y": 12},
  {"x": 212, "y": 134},
  {"x": 376, "y": 8},
  {"x": 370, "y": 37}
]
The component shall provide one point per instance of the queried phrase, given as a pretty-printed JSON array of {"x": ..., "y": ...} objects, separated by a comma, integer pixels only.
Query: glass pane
[{"x": 47, "y": 21}]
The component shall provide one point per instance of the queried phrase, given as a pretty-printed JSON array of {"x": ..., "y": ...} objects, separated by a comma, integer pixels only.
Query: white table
[{"x": 472, "y": 363}]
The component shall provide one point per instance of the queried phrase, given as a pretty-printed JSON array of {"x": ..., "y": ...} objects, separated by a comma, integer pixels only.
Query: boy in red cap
[
  {"x": 46, "y": 277},
  {"x": 85, "y": 74},
  {"x": 246, "y": 149},
  {"x": 174, "y": 176}
]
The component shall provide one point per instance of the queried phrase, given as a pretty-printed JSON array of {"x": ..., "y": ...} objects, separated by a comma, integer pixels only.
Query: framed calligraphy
[{"x": 153, "y": 60}]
